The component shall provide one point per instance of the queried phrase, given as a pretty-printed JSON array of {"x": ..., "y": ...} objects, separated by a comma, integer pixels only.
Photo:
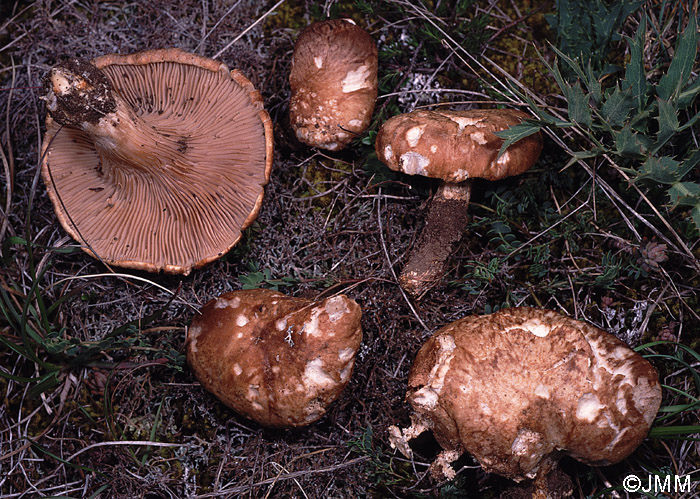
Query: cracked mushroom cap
[
  {"x": 456, "y": 145},
  {"x": 155, "y": 160},
  {"x": 333, "y": 82},
  {"x": 521, "y": 386},
  {"x": 275, "y": 359}
]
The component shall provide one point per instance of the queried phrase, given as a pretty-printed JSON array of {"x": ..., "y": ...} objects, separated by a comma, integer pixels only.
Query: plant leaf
[
  {"x": 594, "y": 86},
  {"x": 617, "y": 107},
  {"x": 681, "y": 67},
  {"x": 627, "y": 143},
  {"x": 573, "y": 64},
  {"x": 668, "y": 123},
  {"x": 579, "y": 105},
  {"x": 47, "y": 382},
  {"x": 590, "y": 153},
  {"x": 664, "y": 170},
  {"x": 684, "y": 194},
  {"x": 517, "y": 132},
  {"x": 695, "y": 215},
  {"x": 688, "y": 94},
  {"x": 691, "y": 162},
  {"x": 635, "y": 78},
  {"x": 690, "y": 122}
]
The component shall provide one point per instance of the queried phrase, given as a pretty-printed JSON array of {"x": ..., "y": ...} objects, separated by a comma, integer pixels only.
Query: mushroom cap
[
  {"x": 215, "y": 145},
  {"x": 275, "y": 359},
  {"x": 456, "y": 145},
  {"x": 333, "y": 82},
  {"x": 517, "y": 387}
]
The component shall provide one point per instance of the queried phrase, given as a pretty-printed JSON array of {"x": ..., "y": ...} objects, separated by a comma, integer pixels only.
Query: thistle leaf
[
  {"x": 517, "y": 132},
  {"x": 668, "y": 123},
  {"x": 684, "y": 194},
  {"x": 688, "y": 94},
  {"x": 691, "y": 162},
  {"x": 695, "y": 215},
  {"x": 635, "y": 78},
  {"x": 627, "y": 143},
  {"x": 594, "y": 86},
  {"x": 664, "y": 170},
  {"x": 579, "y": 105},
  {"x": 617, "y": 107},
  {"x": 671, "y": 84}
]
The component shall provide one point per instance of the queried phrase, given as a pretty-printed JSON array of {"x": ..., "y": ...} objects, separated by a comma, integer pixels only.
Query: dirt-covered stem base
[
  {"x": 444, "y": 227},
  {"x": 81, "y": 96}
]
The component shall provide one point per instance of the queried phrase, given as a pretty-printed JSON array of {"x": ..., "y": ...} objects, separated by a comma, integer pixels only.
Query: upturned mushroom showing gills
[
  {"x": 455, "y": 147},
  {"x": 519, "y": 388},
  {"x": 155, "y": 160},
  {"x": 333, "y": 83},
  {"x": 275, "y": 359}
]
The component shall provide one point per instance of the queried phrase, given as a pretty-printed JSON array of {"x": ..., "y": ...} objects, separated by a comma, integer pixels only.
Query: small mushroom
[
  {"x": 333, "y": 81},
  {"x": 455, "y": 147},
  {"x": 521, "y": 387},
  {"x": 155, "y": 160},
  {"x": 275, "y": 359}
]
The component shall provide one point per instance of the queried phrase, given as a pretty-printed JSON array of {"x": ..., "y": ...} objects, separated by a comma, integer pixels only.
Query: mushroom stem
[
  {"x": 447, "y": 215},
  {"x": 81, "y": 96}
]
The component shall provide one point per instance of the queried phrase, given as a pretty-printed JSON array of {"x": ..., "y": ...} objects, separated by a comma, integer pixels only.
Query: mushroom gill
[{"x": 169, "y": 179}]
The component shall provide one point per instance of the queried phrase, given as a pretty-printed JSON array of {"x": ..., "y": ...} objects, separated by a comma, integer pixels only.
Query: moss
[
  {"x": 515, "y": 49},
  {"x": 294, "y": 16},
  {"x": 321, "y": 177},
  {"x": 289, "y": 15}
]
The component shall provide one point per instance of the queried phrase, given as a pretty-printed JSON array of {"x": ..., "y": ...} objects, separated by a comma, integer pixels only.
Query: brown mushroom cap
[
  {"x": 275, "y": 359},
  {"x": 333, "y": 82},
  {"x": 517, "y": 387},
  {"x": 169, "y": 177},
  {"x": 456, "y": 145}
]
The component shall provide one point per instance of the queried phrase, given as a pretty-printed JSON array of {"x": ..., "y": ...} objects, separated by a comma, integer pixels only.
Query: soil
[{"x": 97, "y": 398}]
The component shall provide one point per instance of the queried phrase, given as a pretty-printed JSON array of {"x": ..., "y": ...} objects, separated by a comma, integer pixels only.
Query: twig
[
  {"x": 290, "y": 476},
  {"x": 123, "y": 442},
  {"x": 216, "y": 25},
  {"x": 228, "y": 45},
  {"x": 681, "y": 243},
  {"x": 391, "y": 265},
  {"x": 127, "y": 278}
]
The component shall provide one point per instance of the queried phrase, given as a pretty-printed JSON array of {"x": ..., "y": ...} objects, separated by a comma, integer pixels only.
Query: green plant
[
  {"x": 28, "y": 312},
  {"x": 586, "y": 30},
  {"x": 611, "y": 271},
  {"x": 382, "y": 469},
  {"x": 257, "y": 278},
  {"x": 681, "y": 360},
  {"x": 641, "y": 127}
]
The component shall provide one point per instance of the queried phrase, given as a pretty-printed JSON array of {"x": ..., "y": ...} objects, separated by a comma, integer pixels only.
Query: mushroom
[
  {"x": 455, "y": 147},
  {"x": 520, "y": 387},
  {"x": 333, "y": 82},
  {"x": 155, "y": 160},
  {"x": 275, "y": 359}
]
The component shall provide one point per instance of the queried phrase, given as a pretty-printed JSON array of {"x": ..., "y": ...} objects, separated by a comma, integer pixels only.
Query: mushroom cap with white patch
[
  {"x": 333, "y": 83},
  {"x": 456, "y": 145},
  {"x": 273, "y": 358},
  {"x": 521, "y": 386}
]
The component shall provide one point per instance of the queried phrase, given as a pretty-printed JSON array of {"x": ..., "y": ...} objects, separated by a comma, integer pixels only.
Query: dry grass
[{"x": 120, "y": 415}]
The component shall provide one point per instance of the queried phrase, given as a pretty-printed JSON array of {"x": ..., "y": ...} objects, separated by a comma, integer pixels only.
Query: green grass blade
[{"x": 671, "y": 431}]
